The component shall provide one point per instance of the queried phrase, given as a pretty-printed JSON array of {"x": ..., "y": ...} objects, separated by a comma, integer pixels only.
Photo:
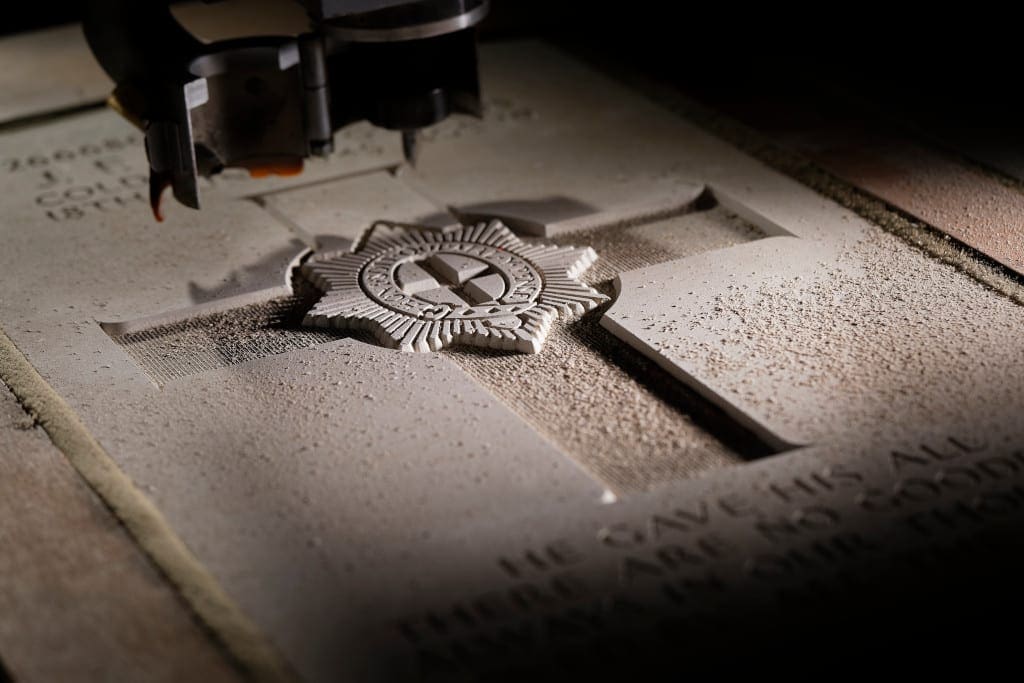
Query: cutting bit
[
  {"x": 267, "y": 103},
  {"x": 410, "y": 143}
]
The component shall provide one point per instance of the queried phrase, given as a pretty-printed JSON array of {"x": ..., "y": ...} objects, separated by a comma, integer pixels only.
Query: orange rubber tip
[{"x": 285, "y": 168}]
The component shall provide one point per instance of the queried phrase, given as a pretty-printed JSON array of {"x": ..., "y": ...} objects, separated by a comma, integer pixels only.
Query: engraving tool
[{"x": 267, "y": 103}]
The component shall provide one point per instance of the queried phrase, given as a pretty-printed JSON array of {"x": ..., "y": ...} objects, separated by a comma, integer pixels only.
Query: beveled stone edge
[{"x": 247, "y": 647}]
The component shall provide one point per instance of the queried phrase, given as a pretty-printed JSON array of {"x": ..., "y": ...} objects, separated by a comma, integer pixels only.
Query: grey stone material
[
  {"x": 374, "y": 511},
  {"x": 47, "y": 71},
  {"x": 346, "y": 208},
  {"x": 412, "y": 279},
  {"x": 485, "y": 288},
  {"x": 457, "y": 269},
  {"x": 364, "y": 288},
  {"x": 75, "y": 590},
  {"x": 839, "y": 334}
]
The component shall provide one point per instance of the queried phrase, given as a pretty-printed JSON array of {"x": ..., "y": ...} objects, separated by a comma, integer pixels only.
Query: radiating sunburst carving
[{"x": 421, "y": 290}]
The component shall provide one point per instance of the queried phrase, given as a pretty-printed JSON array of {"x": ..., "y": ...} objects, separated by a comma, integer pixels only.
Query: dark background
[{"x": 962, "y": 58}]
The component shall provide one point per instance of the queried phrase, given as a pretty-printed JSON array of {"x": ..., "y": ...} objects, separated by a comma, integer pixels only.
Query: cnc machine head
[{"x": 267, "y": 103}]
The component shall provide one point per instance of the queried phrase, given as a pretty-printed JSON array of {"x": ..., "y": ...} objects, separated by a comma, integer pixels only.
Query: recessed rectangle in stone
[{"x": 208, "y": 342}]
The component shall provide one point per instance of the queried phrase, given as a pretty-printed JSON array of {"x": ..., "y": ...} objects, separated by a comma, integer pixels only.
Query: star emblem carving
[{"x": 422, "y": 290}]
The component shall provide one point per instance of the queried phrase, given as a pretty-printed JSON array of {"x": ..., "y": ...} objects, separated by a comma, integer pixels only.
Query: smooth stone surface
[
  {"x": 866, "y": 150},
  {"x": 457, "y": 269},
  {"x": 47, "y": 71},
  {"x": 347, "y": 207},
  {"x": 558, "y": 149},
  {"x": 414, "y": 279},
  {"x": 558, "y": 216},
  {"x": 105, "y": 256},
  {"x": 486, "y": 288},
  {"x": 442, "y": 295}
]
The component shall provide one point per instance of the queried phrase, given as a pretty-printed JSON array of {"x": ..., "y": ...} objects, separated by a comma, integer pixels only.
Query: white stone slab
[
  {"x": 556, "y": 152},
  {"x": 559, "y": 215},
  {"x": 47, "y": 71},
  {"x": 806, "y": 341},
  {"x": 595, "y": 125},
  {"x": 352, "y": 498},
  {"x": 225, "y": 453},
  {"x": 347, "y": 207}
]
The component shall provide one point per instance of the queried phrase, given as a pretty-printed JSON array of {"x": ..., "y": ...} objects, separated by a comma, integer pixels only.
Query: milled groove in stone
[
  {"x": 170, "y": 352},
  {"x": 605, "y": 405},
  {"x": 614, "y": 412},
  {"x": 674, "y": 421}
]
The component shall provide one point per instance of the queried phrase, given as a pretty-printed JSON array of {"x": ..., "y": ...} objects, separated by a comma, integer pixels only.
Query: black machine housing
[{"x": 267, "y": 103}]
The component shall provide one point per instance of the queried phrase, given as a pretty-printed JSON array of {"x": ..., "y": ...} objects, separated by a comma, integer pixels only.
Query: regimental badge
[{"x": 422, "y": 290}]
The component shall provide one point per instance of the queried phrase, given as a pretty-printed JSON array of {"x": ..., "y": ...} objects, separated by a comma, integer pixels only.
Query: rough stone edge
[
  {"x": 245, "y": 644},
  {"x": 748, "y": 140}
]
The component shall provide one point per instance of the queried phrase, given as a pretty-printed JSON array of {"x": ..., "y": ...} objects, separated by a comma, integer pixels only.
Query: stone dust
[{"x": 612, "y": 410}]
